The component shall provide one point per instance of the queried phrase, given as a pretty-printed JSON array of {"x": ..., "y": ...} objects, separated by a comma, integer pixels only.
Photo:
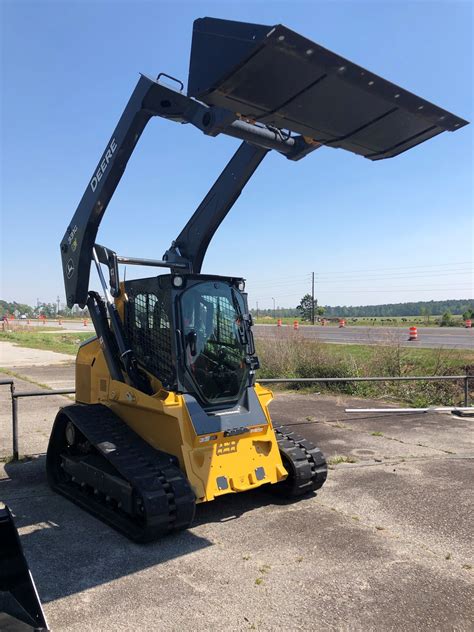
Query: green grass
[
  {"x": 418, "y": 361},
  {"x": 62, "y": 343},
  {"x": 335, "y": 460},
  {"x": 287, "y": 357},
  {"x": 358, "y": 360}
]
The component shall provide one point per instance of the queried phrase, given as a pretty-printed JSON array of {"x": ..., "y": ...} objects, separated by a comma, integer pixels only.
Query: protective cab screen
[{"x": 277, "y": 77}]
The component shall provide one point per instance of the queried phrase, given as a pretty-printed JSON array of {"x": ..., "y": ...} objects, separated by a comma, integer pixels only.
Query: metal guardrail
[{"x": 15, "y": 396}]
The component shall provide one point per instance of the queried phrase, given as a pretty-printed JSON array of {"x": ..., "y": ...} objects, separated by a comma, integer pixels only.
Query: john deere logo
[{"x": 69, "y": 268}]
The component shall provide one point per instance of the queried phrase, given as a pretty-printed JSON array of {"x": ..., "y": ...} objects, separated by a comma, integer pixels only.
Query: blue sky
[{"x": 390, "y": 231}]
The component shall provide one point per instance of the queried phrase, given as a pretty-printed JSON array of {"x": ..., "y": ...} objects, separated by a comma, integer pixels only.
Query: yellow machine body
[{"x": 213, "y": 464}]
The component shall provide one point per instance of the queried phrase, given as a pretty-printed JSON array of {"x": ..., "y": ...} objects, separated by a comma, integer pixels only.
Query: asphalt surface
[
  {"x": 428, "y": 337},
  {"x": 385, "y": 545}
]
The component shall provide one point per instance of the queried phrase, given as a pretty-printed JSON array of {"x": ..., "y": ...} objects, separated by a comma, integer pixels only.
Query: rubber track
[
  {"x": 308, "y": 463},
  {"x": 167, "y": 498}
]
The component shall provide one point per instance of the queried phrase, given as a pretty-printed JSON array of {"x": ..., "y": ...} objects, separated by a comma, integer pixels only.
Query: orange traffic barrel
[
  {"x": 279, "y": 322},
  {"x": 413, "y": 333},
  {"x": 85, "y": 322},
  {"x": 468, "y": 323},
  {"x": 342, "y": 322},
  {"x": 295, "y": 325}
]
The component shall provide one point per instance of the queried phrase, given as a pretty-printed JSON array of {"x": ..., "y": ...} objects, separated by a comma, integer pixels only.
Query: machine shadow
[{"x": 70, "y": 551}]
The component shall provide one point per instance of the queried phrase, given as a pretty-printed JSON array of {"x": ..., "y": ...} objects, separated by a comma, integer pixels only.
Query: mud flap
[{"x": 20, "y": 606}]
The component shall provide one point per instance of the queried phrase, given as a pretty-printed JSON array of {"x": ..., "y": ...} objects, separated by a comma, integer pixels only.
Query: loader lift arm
[{"x": 151, "y": 98}]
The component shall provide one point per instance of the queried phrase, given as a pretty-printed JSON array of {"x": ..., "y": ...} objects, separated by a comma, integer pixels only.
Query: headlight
[
  {"x": 241, "y": 285},
  {"x": 178, "y": 281}
]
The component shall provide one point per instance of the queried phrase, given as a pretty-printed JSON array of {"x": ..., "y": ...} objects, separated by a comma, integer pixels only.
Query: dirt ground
[{"x": 385, "y": 545}]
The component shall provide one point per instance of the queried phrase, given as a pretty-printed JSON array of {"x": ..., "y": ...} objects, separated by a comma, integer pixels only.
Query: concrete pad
[
  {"x": 405, "y": 434},
  {"x": 385, "y": 545},
  {"x": 428, "y": 502},
  {"x": 247, "y": 564},
  {"x": 53, "y": 376},
  {"x": 439, "y": 430},
  {"x": 12, "y": 356}
]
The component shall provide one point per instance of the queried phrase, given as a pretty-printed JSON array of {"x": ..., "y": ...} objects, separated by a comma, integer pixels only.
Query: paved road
[{"x": 428, "y": 337}]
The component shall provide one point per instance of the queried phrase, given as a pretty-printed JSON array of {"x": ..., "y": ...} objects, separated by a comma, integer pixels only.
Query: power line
[
  {"x": 411, "y": 267},
  {"x": 428, "y": 289},
  {"x": 293, "y": 277},
  {"x": 396, "y": 289},
  {"x": 277, "y": 288},
  {"x": 402, "y": 275},
  {"x": 325, "y": 278},
  {"x": 388, "y": 279}
]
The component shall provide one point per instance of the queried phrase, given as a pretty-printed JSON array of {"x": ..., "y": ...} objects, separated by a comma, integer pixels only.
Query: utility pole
[
  {"x": 312, "y": 298},
  {"x": 274, "y": 313},
  {"x": 57, "y": 300},
  {"x": 257, "y": 309}
]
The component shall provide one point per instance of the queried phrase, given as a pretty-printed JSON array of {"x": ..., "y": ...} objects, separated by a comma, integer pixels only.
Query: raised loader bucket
[
  {"x": 20, "y": 607},
  {"x": 275, "y": 76}
]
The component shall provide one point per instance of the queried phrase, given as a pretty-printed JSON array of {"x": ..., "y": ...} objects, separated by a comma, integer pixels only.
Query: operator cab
[{"x": 211, "y": 354}]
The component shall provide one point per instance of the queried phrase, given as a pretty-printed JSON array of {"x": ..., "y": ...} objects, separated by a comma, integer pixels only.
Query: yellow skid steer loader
[{"x": 168, "y": 413}]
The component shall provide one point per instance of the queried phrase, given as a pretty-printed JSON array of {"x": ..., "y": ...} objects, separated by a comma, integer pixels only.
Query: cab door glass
[{"x": 214, "y": 351}]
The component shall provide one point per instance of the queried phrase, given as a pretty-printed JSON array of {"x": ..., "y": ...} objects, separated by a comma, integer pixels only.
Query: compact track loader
[{"x": 168, "y": 413}]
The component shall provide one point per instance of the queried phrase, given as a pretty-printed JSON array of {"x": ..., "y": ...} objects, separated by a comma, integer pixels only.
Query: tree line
[
  {"x": 48, "y": 310},
  {"x": 385, "y": 310},
  {"x": 415, "y": 308}
]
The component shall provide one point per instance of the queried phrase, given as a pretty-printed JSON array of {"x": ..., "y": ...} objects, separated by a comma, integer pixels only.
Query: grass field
[{"x": 62, "y": 343}]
